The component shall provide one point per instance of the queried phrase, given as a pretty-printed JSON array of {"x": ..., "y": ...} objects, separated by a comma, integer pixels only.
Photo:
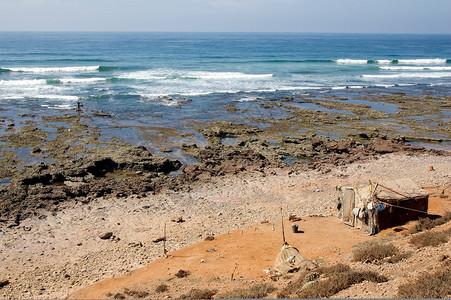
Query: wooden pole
[
  {"x": 283, "y": 229},
  {"x": 164, "y": 242}
]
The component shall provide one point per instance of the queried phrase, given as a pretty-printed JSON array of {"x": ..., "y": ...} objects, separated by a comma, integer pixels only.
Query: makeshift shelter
[
  {"x": 373, "y": 207},
  {"x": 290, "y": 259}
]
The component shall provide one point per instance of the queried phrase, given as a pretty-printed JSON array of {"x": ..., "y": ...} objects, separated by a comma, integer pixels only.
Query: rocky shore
[{"x": 85, "y": 185}]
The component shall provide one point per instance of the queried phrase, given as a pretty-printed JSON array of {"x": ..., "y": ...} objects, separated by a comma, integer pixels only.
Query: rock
[
  {"x": 36, "y": 150},
  {"x": 106, "y": 235},
  {"x": 178, "y": 220},
  {"x": 4, "y": 283}
]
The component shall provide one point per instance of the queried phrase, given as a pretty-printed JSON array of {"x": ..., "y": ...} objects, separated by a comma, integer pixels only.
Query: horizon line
[{"x": 245, "y": 32}]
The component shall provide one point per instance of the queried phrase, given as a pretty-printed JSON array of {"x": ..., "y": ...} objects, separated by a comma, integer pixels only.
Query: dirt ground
[
  {"x": 60, "y": 254},
  {"x": 242, "y": 257}
]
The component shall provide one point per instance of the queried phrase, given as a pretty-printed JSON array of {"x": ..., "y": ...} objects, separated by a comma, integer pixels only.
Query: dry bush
[
  {"x": 119, "y": 296},
  {"x": 368, "y": 252},
  {"x": 254, "y": 292},
  {"x": 182, "y": 274},
  {"x": 338, "y": 282},
  {"x": 425, "y": 224},
  {"x": 430, "y": 238},
  {"x": 161, "y": 288},
  {"x": 293, "y": 286},
  {"x": 136, "y": 294},
  {"x": 199, "y": 294},
  {"x": 447, "y": 216},
  {"x": 436, "y": 285},
  {"x": 334, "y": 269},
  {"x": 334, "y": 279},
  {"x": 399, "y": 257}
]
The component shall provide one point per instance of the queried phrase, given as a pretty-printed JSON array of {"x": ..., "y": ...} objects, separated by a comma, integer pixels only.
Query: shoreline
[{"x": 87, "y": 184}]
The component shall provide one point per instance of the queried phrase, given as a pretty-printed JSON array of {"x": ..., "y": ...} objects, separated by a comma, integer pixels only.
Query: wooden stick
[
  {"x": 164, "y": 242},
  {"x": 283, "y": 229},
  {"x": 233, "y": 273}
]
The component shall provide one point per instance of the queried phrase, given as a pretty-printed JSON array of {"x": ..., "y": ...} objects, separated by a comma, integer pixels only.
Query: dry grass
[
  {"x": 399, "y": 257},
  {"x": 199, "y": 294},
  {"x": 333, "y": 279},
  {"x": 372, "y": 251},
  {"x": 254, "y": 292},
  {"x": 136, "y": 294},
  {"x": 430, "y": 238},
  {"x": 119, "y": 296},
  {"x": 162, "y": 288},
  {"x": 427, "y": 223},
  {"x": 182, "y": 274},
  {"x": 436, "y": 285}
]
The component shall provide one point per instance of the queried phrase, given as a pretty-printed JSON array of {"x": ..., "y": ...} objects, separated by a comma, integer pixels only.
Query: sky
[{"x": 336, "y": 16}]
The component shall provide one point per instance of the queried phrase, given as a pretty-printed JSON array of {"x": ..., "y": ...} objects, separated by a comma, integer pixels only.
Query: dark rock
[
  {"x": 106, "y": 235},
  {"x": 4, "y": 283}
]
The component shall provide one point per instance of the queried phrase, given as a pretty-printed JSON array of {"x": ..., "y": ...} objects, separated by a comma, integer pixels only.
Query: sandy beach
[{"x": 57, "y": 253}]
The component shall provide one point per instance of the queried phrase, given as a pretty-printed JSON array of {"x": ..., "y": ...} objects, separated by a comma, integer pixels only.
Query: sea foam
[
  {"x": 170, "y": 74},
  {"x": 41, "y": 70},
  {"x": 410, "y": 75}
]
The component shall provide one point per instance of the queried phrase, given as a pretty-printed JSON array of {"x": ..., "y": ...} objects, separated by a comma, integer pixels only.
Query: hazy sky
[{"x": 366, "y": 16}]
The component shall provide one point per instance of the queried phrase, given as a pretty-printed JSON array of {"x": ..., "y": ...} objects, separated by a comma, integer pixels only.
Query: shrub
[
  {"x": 136, "y": 294},
  {"x": 368, "y": 252},
  {"x": 336, "y": 278},
  {"x": 119, "y": 296},
  {"x": 162, "y": 288},
  {"x": 293, "y": 286},
  {"x": 338, "y": 282},
  {"x": 199, "y": 294},
  {"x": 398, "y": 257},
  {"x": 436, "y": 285},
  {"x": 425, "y": 224},
  {"x": 254, "y": 292},
  {"x": 182, "y": 273},
  {"x": 430, "y": 238}
]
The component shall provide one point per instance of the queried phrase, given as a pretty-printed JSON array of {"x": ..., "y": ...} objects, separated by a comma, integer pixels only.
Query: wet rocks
[
  {"x": 127, "y": 170},
  {"x": 221, "y": 160},
  {"x": 223, "y": 129}
]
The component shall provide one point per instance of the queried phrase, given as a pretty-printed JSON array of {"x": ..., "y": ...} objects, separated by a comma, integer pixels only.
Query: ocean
[{"x": 169, "y": 79}]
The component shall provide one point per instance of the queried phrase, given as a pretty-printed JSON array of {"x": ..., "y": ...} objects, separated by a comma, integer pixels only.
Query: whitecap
[
  {"x": 422, "y": 61},
  {"x": 346, "y": 61},
  {"x": 412, "y": 68},
  {"x": 40, "y": 70},
  {"x": 410, "y": 75}
]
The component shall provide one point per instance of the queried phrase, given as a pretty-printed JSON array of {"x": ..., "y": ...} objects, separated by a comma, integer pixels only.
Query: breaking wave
[
  {"x": 42, "y": 70},
  {"x": 419, "y": 61}
]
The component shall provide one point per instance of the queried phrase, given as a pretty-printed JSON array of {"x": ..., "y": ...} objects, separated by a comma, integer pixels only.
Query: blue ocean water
[{"x": 145, "y": 78}]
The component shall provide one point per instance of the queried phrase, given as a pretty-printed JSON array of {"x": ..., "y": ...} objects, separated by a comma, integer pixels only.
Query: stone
[
  {"x": 3, "y": 283},
  {"x": 106, "y": 235}
]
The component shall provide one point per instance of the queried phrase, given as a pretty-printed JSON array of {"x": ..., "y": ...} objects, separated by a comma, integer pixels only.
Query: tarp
[
  {"x": 399, "y": 190},
  {"x": 372, "y": 207},
  {"x": 290, "y": 259}
]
